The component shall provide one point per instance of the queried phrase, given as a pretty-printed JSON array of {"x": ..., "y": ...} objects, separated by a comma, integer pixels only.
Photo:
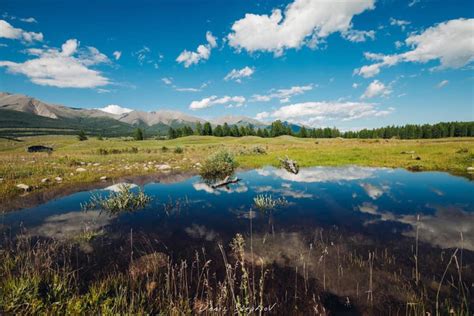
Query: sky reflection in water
[{"x": 367, "y": 201}]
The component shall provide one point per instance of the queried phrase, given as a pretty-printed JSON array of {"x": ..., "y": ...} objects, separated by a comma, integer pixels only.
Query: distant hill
[
  {"x": 239, "y": 121},
  {"x": 26, "y": 104},
  {"x": 294, "y": 127},
  {"x": 24, "y": 115}
]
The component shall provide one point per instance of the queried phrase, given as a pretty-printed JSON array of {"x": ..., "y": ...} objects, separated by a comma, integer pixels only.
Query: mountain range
[{"x": 21, "y": 115}]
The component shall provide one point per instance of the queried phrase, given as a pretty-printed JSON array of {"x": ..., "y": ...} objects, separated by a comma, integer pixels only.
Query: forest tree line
[{"x": 278, "y": 128}]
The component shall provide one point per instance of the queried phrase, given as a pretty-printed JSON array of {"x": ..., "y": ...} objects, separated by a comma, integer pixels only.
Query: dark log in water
[
  {"x": 290, "y": 165},
  {"x": 224, "y": 182}
]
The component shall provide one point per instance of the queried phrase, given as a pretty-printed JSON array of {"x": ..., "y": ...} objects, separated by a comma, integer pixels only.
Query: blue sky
[{"x": 350, "y": 64}]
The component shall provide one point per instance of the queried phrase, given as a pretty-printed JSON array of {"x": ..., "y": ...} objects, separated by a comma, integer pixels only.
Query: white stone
[
  {"x": 44, "y": 180},
  {"x": 58, "y": 179},
  {"x": 81, "y": 170},
  {"x": 103, "y": 178},
  {"x": 23, "y": 186},
  {"x": 163, "y": 167}
]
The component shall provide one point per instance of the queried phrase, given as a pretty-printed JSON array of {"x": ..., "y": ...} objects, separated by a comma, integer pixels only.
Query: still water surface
[
  {"x": 340, "y": 211},
  {"x": 369, "y": 201}
]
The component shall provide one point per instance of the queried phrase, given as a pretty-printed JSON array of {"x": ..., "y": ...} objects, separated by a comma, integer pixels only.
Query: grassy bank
[
  {"x": 76, "y": 162},
  {"x": 328, "y": 276}
]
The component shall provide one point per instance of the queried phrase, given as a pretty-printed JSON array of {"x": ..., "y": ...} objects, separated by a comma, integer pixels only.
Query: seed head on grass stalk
[{"x": 267, "y": 203}]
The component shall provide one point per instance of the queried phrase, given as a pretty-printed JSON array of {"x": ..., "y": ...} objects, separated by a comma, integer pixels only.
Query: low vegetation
[
  {"x": 218, "y": 166},
  {"x": 117, "y": 157},
  {"x": 104, "y": 152},
  {"x": 281, "y": 273},
  {"x": 81, "y": 136},
  {"x": 268, "y": 203},
  {"x": 41, "y": 278},
  {"x": 121, "y": 201},
  {"x": 178, "y": 150}
]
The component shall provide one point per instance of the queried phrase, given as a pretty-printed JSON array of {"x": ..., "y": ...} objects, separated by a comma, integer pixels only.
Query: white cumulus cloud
[
  {"x": 65, "y": 68},
  {"x": 228, "y": 101},
  {"x": 117, "y": 54},
  {"x": 401, "y": 23},
  {"x": 29, "y": 20},
  {"x": 10, "y": 32},
  {"x": 167, "y": 81},
  {"x": 284, "y": 95},
  {"x": 358, "y": 36},
  {"x": 375, "y": 89},
  {"x": 239, "y": 74},
  {"x": 115, "y": 109},
  {"x": 442, "y": 84},
  {"x": 262, "y": 115},
  {"x": 317, "y": 113},
  {"x": 303, "y": 22},
  {"x": 203, "y": 52},
  {"x": 450, "y": 43}
]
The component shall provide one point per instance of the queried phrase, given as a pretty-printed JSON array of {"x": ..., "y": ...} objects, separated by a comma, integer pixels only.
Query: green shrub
[
  {"x": 123, "y": 200},
  {"x": 81, "y": 136},
  {"x": 259, "y": 150},
  {"x": 178, "y": 150},
  {"x": 114, "y": 151},
  {"x": 218, "y": 166},
  {"x": 255, "y": 150}
]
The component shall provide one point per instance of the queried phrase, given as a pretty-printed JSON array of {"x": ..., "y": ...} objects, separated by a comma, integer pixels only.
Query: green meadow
[{"x": 75, "y": 162}]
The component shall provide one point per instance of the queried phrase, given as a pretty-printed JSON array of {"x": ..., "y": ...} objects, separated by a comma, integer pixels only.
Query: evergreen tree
[
  {"x": 250, "y": 130},
  {"x": 138, "y": 134},
  {"x": 81, "y": 136},
  {"x": 303, "y": 133},
  {"x": 277, "y": 129},
  {"x": 207, "y": 129},
  {"x": 234, "y": 131},
  {"x": 218, "y": 131},
  {"x": 172, "y": 133},
  {"x": 198, "y": 128},
  {"x": 226, "y": 130}
]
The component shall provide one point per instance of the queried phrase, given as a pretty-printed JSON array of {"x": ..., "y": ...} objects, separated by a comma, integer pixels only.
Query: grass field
[{"x": 84, "y": 162}]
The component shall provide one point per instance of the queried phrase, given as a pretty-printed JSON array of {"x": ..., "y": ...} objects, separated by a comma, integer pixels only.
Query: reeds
[
  {"x": 41, "y": 278},
  {"x": 122, "y": 200},
  {"x": 265, "y": 202},
  {"x": 53, "y": 278}
]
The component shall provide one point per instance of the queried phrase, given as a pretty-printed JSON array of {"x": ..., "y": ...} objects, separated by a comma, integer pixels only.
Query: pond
[{"x": 329, "y": 226}]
